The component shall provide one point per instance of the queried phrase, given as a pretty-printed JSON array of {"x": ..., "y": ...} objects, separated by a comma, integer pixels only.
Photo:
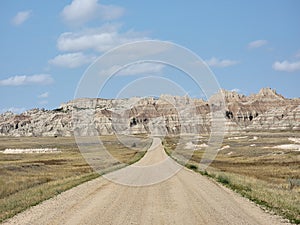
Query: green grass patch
[
  {"x": 192, "y": 167},
  {"x": 223, "y": 179}
]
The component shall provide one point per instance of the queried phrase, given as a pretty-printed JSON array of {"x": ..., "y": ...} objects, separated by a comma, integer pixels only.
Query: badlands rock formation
[{"x": 165, "y": 115}]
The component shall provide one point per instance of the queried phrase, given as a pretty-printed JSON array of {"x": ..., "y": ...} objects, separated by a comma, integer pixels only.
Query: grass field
[
  {"x": 253, "y": 165},
  {"x": 248, "y": 163},
  {"x": 27, "y": 179}
]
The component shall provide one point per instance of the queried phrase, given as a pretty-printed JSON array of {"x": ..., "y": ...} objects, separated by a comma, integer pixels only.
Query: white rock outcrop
[{"x": 165, "y": 115}]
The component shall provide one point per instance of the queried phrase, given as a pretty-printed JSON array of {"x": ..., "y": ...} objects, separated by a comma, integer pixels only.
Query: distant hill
[{"x": 266, "y": 110}]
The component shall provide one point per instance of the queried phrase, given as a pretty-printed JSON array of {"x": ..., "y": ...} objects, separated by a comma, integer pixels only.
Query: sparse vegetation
[
  {"x": 192, "y": 166},
  {"x": 223, "y": 179},
  {"x": 28, "y": 179},
  {"x": 254, "y": 168},
  {"x": 293, "y": 183}
]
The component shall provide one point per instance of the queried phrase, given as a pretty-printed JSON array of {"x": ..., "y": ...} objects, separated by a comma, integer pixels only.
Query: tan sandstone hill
[{"x": 164, "y": 115}]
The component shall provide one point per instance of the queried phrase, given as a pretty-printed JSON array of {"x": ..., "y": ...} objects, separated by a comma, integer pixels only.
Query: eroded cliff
[{"x": 167, "y": 114}]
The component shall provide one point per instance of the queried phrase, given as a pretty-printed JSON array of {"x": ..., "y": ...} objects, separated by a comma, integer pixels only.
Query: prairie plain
[
  {"x": 261, "y": 166},
  {"x": 27, "y": 179}
]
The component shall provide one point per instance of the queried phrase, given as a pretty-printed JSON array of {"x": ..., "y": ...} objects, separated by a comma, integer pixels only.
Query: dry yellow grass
[
  {"x": 27, "y": 179},
  {"x": 254, "y": 167}
]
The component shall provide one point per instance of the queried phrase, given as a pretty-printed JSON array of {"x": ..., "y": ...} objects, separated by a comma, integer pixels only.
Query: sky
[{"x": 46, "y": 46}]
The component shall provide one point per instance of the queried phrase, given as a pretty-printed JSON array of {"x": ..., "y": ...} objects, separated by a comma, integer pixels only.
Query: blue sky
[{"x": 47, "y": 46}]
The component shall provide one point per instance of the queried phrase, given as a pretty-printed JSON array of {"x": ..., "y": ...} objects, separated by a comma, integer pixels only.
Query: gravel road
[{"x": 185, "y": 198}]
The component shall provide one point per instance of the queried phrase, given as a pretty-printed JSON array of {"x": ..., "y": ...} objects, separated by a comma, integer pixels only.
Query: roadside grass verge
[
  {"x": 282, "y": 201},
  {"x": 28, "y": 179},
  {"x": 21, "y": 200},
  {"x": 252, "y": 167}
]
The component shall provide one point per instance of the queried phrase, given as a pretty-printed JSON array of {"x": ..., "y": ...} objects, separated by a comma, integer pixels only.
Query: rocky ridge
[{"x": 164, "y": 115}]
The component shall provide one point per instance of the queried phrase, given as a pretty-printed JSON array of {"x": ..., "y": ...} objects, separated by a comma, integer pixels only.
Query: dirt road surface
[{"x": 185, "y": 198}]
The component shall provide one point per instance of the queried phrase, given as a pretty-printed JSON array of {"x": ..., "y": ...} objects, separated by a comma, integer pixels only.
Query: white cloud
[
  {"x": 142, "y": 69},
  {"x": 297, "y": 55},
  {"x": 257, "y": 44},
  {"x": 41, "y": 79},
  {"x": 72, "y": 60},
  {"x": 236, "y": 90},
  {"x": 286, "y": 66},
  {"x": 99, "y": 39},
  {"x": 82, "y": 11},
  {"x": 13, "y": 110},
  {"x": 215, "y": 62},
  {"x": 21, "y": 17},
  {"x": 44, "y": 95}
]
